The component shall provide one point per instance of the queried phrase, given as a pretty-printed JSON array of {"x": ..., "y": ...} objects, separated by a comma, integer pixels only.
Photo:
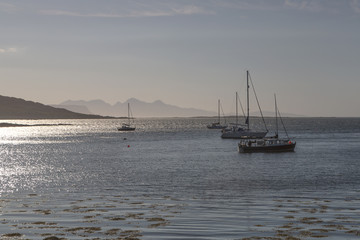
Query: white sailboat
[
  {"x": 237, "y": 131},
  {"x": 127, "y": 126},
  {"x": 217, "y": 125}
]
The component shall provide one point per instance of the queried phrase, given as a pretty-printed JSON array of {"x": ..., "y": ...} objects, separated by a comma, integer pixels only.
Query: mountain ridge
[{"x": 139, "y": 108}]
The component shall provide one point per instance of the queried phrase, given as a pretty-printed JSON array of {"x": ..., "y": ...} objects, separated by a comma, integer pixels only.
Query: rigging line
[
  {"x": 242, "y": 109},
  {"x": 276, "y": 118},
  {"x": 231, "y": 114},
  {"x": 222, "y": 110},
  {"x": 283, "y": 124},
  {"x": 131, "y": 115},
  {"x": 262, "y": 116}
]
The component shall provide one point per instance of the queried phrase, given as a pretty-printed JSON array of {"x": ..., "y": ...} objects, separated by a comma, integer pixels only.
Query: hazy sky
[{"x": 185, "y": 53}]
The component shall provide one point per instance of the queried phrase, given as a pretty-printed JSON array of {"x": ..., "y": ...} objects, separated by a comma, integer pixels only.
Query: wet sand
[
  {"x": 120, "y": 217},
  {"x": 311, "y": 219},
  {"x": 103, "y": 217}
]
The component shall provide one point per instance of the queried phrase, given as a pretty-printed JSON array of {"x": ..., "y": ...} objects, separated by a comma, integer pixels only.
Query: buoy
[{"x": 128, "y": 146}]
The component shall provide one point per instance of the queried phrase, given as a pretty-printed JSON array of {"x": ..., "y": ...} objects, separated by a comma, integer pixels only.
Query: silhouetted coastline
[
  {"x": 17, "y": 108},
  {"x": 31, "y": 125}
]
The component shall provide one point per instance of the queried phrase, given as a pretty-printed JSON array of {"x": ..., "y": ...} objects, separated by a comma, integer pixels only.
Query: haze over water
[{"x": 175, "y": 179}]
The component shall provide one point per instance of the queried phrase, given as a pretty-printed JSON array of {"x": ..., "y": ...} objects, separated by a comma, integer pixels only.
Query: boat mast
[
  {"x": 257, "y": 101},
  {"x": 129, "y": 112},
  {"x": 236, "y": 109},
  {"x": 276, "y": 119},
  {"x": 247, "y": 93},
  {"x": 219, "y": 111}
]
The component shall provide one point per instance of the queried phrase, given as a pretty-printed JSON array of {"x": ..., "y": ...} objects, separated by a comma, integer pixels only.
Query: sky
[{"x": 185, "y": 53}]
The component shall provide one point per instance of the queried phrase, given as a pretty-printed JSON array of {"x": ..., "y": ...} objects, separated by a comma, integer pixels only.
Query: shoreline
[{"x": 3, "y": 125}]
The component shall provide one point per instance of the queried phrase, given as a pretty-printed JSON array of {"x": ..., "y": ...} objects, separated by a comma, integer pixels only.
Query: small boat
[
  {"x": 127, "y": 126},
  {"x": 269, "y": 144},
  {"x": 237, "y": 131},
  {"x": 217, "y": 125}
]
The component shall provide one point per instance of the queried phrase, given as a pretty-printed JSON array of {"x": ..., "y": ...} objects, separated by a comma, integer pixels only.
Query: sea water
[{"x": 175, "y": 179}]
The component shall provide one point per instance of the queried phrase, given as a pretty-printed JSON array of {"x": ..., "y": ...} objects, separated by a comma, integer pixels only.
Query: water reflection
[{"x": 177, "y": 161}]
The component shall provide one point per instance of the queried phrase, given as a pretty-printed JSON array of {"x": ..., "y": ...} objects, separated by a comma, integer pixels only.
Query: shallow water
[{"x": 175, "y": 179}]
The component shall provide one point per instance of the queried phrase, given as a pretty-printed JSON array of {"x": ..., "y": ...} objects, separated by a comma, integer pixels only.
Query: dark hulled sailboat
[{"x": 269, "y": 144}]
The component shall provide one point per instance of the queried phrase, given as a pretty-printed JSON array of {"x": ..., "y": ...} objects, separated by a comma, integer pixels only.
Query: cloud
[
  {"x": 307, "y": 5},
  {"x": 355, "y": 5},
  {"x": 145, "y": 12},
  {"x": 8, "y": 50},
  {"x": 106, "y": 15},
  {"x": 257, "y": 5},
  {"x": 329, "y": 6},
  {"x": 191, "y": 10},
  {"x": 313, "y": 6},
  {"x": 6, "y": 7}
]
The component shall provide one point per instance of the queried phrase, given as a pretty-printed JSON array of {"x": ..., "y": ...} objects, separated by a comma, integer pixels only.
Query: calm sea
[{"x": 175, "y": 179}]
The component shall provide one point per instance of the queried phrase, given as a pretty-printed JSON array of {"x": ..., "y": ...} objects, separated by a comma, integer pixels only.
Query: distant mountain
[
  {"x": 74, "y": 108},
  {"x": 139, "y": 108},
  {"x": 17, "y": 108},
  {"x": 93, "y": 107}
]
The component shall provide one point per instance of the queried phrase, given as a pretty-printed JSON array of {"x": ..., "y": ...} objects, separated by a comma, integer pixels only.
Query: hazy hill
[
  {"x": 74, "y": 108},
  {"x": 17, "y": 108},
  {"x": 139, "y": 108},
  {"x": 93, "y": 107}
]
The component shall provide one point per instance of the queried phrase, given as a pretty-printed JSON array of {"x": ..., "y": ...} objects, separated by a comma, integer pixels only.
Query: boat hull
[
  {"x": 290, "y": 147},
  {"x": 126, "y": 129}
]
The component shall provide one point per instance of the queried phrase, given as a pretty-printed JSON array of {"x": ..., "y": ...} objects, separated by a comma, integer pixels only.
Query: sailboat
[
  {"x": 217, "y": 125},
  {"x": 127, "y": 126},
  {"x": 236, "y": 131},
  {"x": 235, "y": 125},
  {"x": 269, "y": 144}
]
